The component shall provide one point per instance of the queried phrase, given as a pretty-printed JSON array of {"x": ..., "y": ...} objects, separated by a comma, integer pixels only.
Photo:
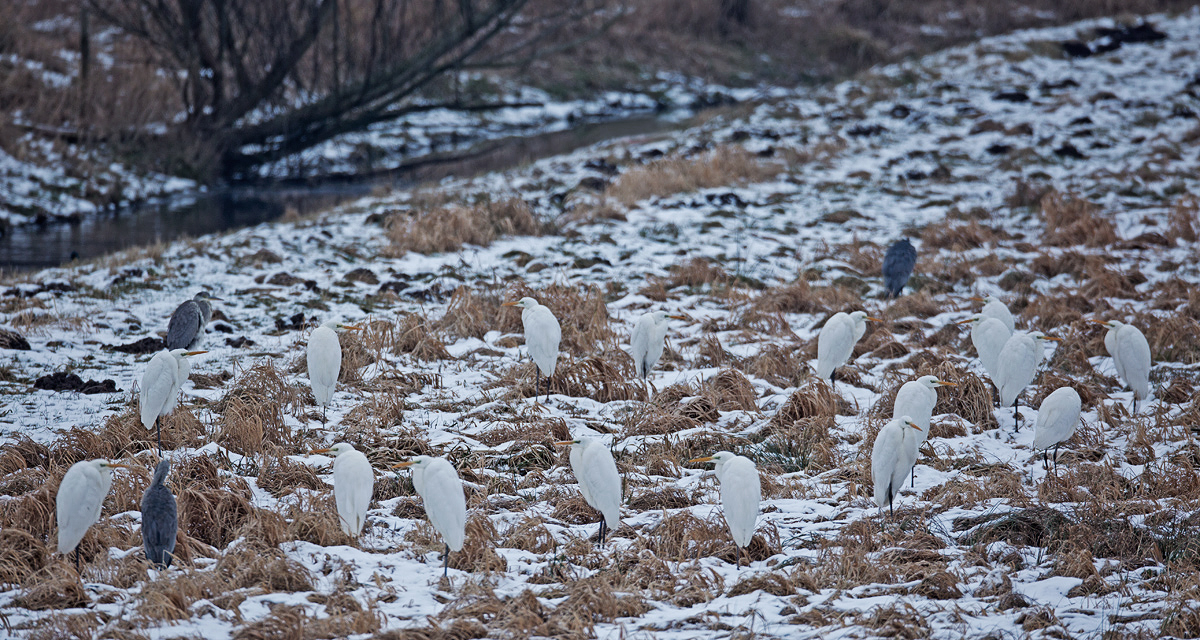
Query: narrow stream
[{"x": 223, "y": 209}]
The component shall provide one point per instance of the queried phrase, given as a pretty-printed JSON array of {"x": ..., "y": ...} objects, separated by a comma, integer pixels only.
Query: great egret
[
  {"x": 353, "y": 485},
  {"x": 898, "y": 264},
  {"x": 988, "y": 334},
  {"x": 646, "y": 343},
  {"x": 161, "y": 385},
  {"x": 837, "y": 339},
  {"x": 892, "y": 458},
  {"x": 325, "y": 361},
  {"x": 741, "y": 492},
  {"x": 916, "y": 399},
  {"x": 80, "y": 497},
  {"x": 187, "y": 321},
  {"x": 160, "y": 519},
  {"x": 445, "y": 503},
  {"x": 1131, "y": 355},
  {"x": 1017, "y": 366},
  {"x": 994, "y": 308},
  {"x": 599, "y": 481},
  {"x": 1056, "y": 422},
  {"x": 542, "y": 336}
]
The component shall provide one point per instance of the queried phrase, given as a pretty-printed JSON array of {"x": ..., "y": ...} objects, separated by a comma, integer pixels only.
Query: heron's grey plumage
[
  {"x": 160, "y": 519},
  {"x": 187, "y": 322},
  {"x": 898, "y": 265}
]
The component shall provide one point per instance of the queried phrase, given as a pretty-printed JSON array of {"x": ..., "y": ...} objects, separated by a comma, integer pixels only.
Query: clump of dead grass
[
  {"x": 607, "y": 376},
  {"x": 722, "y": 166},
  {"x": 412, "y": 335},
  {"x": 54, "y": 586},
  {"x": 252, "y": 412},
  {"x": 782, "y": 366},
  {"x": 815, "y": 400},
  {"x": 1072, "y": 220},
  {"x": 448, "y": 228},
  {"x": 213, "y": 508}
]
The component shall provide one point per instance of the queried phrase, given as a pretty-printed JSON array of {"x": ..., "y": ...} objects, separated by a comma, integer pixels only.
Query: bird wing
[
  {"x": 184, "y": 325},
  {"x": 158, "y": 385},
  {"x": 324, "y": 363},
  {"x": 835, "y": 343},
  {"x": 445, "y": 503},
  {"x": 1133, "y": 354},
  {"x": 78, "y": 503},
  {"x": 741, "y": 492},
  {"x": 884, "y": 457},
  {"x": 1057, "y": 418},
  {"x": 603, "y": 483},
  {"x": 542, "y": 337},
  {"x": 353, "y": 486},
  {"x": 1016, "y": 367}
]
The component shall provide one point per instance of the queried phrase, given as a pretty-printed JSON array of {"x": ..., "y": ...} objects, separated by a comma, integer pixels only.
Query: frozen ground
[{"x": 1062, "y": 185}]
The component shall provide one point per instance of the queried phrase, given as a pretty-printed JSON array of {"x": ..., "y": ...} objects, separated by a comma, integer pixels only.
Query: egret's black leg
[
  {"x": 446, "y": 564},
  {"x": 158, "y": 429},
  {"x": 1046, "y": 459},
  {"x": 77, "y": 560},
  {"x": 913, "y": 481},
  {"x": 739, "y": 556},
  {"x": 324, "y": 415},
  {"x": 1056, "y": 459},
  {"x": 1016, "y": 416}
]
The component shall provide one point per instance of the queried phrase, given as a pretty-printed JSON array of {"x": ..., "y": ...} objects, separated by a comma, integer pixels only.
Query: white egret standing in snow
[
  {"x": 353, "y": 485},
  {"x": 836, "y": 341},
  {"x": 1131, "y": 356},
  {"x": 994, "y": 308},
  {"x": 646, "y": 343},
  {"x": 161, "y": 385},
  {"x": 741, "y": 492},
  {"x": 542, "y": 336},
  {"x": 441, "y": 490},
  {"x": 892, "y": 458},
  {"x": 1017, "y": 366},
  {"x": 594, "y": 468},
  {"x": 160, "y": 518},
  {"x": 988, "y": 335},
  {"x": 916, "y": 399},
  {"x": 1056, "y": 422},
  {"x": 79, "y": 500},
  {"x": 325, "y": 361},
  {"x": 187, "y": 321}
]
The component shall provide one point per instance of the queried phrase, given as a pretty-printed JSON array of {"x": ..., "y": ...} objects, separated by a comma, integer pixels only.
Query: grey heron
[
  {"x": 160, "y": 518},
  {"x": 188, "y": 320},
  {"x": 898, "y": 265}
]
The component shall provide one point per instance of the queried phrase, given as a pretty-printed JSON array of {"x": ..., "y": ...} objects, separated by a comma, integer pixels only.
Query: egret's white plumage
[
  {"x": 353, "y": 485},
  {"x": 79, "y": 500},
  {"x": 441, "y": 490},
  {"x": 594, "y": 468},
  {"x": 892, "y": 458},
  {"x": 988, "y": 334},
  {"x": 646, "y": 342},
  {"x": 161, "y": 385},
  {"x": 1130, "y": 352},
  {"x": 1017, "y": 365},
  {"x": 1057, "y": 418},
  {"x": 325, "y": 361},
  {"x": 994, "y": 308},
  {"x": 542, "y": 335},
  {"x": 836, "y": 341},
  {"x": 741, "y": 493}
]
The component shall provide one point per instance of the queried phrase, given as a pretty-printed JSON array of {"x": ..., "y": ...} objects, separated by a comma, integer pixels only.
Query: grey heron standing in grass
[
  {"x": 160, "y": 518},
  {"x": 646, "y": 343},
  {"x": 542, "y": 337},
  {"x": 79, "y": 500},
  {"x": 161, "y": 385},
  {"x": 187, "y": 322},
  {"x": 898, "y": 265}
]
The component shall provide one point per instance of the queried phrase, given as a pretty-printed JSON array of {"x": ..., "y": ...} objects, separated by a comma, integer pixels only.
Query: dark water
[{"x": 38, "y": 246}]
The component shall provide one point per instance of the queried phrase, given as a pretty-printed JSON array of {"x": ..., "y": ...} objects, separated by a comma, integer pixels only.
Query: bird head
[
  {"x": 204, "y": 295},
  {"x": 975, "y": 319},
  {"x": 861, "y": 316},
  {"x": 523, "y": 303},
  {"x": 988, "y": 299},
  {"x": 576, "y": 441},
  {"x": 105, "y": 465},
  {"x": 719, "y": 457},
  {"x": 418, "y": 462},
  {"x": 182, "y": 353},
  {"x": 932, "y": 382},
  {"x": 337, "y": 449},
  {"x": 909, "y": 422},
  {"x": 1041, "y": 337},
  {"x": 1111, "y": 324}
]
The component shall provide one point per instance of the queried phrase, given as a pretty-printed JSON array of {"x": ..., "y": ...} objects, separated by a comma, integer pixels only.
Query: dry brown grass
[
  {"x": 252, "y": 412},
  {"x": 723, "y": 166},
  {"x": 448, "y": 228},
  {"x": 1072, "y": 220},
  {"x": 411, "y": 335}
]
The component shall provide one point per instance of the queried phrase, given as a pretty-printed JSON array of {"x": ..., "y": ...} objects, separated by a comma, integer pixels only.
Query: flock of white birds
[{"x": 1009, "y": 357}]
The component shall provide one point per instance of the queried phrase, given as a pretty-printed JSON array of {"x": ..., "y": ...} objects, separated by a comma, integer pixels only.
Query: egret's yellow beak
[
  {"x": 1053, "y": 338},
  {"x": 678, "y": 317},
  {"x": 351, "y": 327},
  {"x": 194, "y": 353},
  {"x": 977, "y": 299},
  {"x": 320, "y": 451},
  {"x": 915, "y": 426},
  {"x": 510, "y": 304},
  {"x": 566, "y": 442},
  {"x": 874, "y": 319},
  {"x": 704, "y": 459},
  {"x": 402, "y": 465},
  {"x": 1103, "y": 322},
  {"x": 968, "y": 320},
  {"x": 947, "y": 384}
]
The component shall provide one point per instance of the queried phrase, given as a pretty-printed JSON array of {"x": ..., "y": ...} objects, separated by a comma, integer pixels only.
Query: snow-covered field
[{"x": 1061, "y": 185}]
